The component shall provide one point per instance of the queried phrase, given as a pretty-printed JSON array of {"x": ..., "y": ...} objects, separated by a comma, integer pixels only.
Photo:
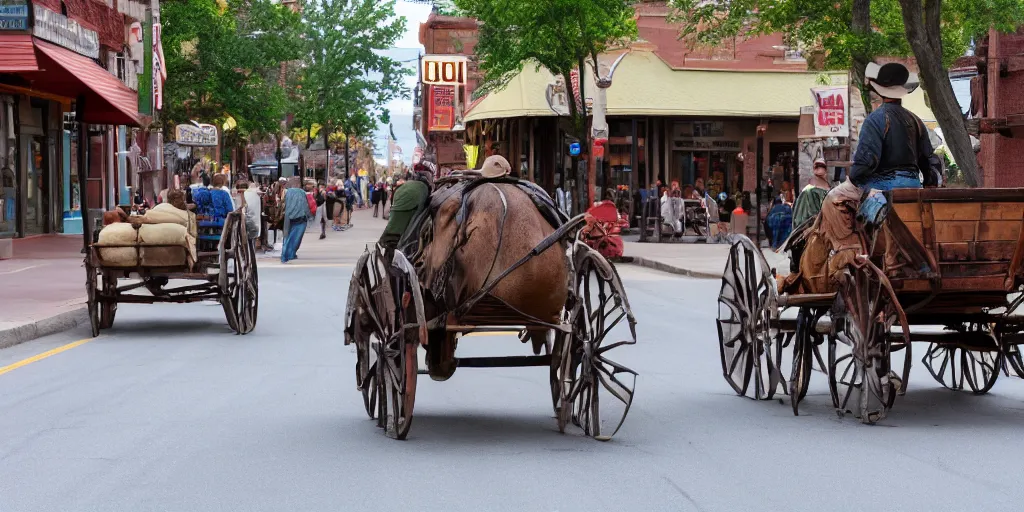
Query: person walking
[
  {"x": 375, "y": 198},
  {"x": 351, "y": 198},
  {"x": 296, "y": 214},
  {"x": 320, "y": 197},
  {"x": 253, "y": 211}
]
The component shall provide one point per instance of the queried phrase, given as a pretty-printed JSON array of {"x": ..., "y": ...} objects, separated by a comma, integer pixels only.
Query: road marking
[
  {"x": 15, "y": 271},
  {"x": 497, "y": 333},
  {"x": 44, "y": 355}
]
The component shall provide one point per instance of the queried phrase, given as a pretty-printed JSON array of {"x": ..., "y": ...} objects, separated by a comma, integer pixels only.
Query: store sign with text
[
  {"x": 58, "y": 29},
  {"x": 705, "y": 145},
  {"x": 13, "y": 14},
  {"x": 442, "y": 108},
  {"x": 204, "y": 135},
  {"x": 830, "y": 114},
  {"x": 444, "y": 69}
]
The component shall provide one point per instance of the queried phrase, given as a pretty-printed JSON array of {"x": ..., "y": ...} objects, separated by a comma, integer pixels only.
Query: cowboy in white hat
[{"x": 894, "y": 150}]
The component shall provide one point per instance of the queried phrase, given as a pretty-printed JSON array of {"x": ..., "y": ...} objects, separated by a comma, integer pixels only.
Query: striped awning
[
  {"x": 17, "y": 53},
  {"x": 63, "y": 72}
]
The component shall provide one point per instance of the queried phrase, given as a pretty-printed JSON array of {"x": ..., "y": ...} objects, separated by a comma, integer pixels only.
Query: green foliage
[
  {"x": 825, "y": 25},
  {"x": 347, "y": 80},
  {"x": 556, "y": 34},
  {"x": 224, "y": 59}
]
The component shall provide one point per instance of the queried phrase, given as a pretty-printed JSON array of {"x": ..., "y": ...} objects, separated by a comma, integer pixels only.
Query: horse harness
[{"x": 420, "y": 234}]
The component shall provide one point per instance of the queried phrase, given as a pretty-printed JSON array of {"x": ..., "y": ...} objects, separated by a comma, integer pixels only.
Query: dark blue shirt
[{"x": 892, "y": 139}]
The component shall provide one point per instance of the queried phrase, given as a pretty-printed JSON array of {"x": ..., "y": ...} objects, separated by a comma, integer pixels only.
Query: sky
[{"x": 406, "y": 49}]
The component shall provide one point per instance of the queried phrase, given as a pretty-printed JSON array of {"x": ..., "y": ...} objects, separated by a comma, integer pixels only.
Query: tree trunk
[
  {"x": 861, "y": 26},
  {"x": 923, "y": 27}
]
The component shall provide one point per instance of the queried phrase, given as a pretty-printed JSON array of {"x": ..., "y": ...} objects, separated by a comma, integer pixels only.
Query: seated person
[
  {"x": 672, "y": 212},
  {"x": 779, "y": 222},
  {"x": 410, "y": 198},
  {"x": 213, "y": 203},
  {"x": 808, "y": 203}
]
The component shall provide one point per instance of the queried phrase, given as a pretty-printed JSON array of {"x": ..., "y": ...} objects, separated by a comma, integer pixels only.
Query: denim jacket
[{"x": 893, "y": 139}]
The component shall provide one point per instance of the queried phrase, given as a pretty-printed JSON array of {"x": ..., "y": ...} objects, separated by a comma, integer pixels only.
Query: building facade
[{"x": 54, "y": 55}]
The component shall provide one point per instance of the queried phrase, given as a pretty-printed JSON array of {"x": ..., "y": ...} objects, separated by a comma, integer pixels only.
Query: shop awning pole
[{"x": 83, "y": 172}]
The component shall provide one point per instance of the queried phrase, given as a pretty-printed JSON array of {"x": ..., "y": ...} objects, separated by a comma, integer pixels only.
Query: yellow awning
[{"x": 644, "y": 85}]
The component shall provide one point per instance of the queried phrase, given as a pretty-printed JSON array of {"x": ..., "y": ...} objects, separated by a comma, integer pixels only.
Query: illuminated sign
[{"x": 444, "y": 69}]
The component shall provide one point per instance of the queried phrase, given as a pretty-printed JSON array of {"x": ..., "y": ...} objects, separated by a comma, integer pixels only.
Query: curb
[
  {"x": 662, "y": 267},
  {"x": 45, "y": 327}
]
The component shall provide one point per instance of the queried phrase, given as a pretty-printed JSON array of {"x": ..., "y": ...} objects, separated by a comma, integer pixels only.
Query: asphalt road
[{"x": 168, "y": 411}]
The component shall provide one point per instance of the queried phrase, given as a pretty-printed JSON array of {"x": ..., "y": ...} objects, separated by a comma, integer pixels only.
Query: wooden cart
[
  {"x": 227, "y": 275},
  {"x": 964, "y": 308},
  {"x": 385, "y": 320}
]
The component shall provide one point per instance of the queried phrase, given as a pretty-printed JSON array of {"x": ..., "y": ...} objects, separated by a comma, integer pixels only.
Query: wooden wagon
[
  {"x": 962, "y": 304},
  {"x": 224, "y": 272},
  {"x": 588, "y": 389}
]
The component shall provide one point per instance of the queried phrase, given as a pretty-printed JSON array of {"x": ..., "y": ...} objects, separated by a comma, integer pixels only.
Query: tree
[
  {"x": 224, "y": 60},
  {"x": 559, "y": 35},
  {"x": 348, "y": 79},
  {"x": 849, "y": 33}
]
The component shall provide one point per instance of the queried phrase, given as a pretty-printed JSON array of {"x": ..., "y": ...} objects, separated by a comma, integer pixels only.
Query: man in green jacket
[{"x": 409, "y": 198}]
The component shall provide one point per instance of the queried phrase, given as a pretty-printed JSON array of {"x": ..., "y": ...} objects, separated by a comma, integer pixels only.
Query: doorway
[{"x": 37, "y": 188}]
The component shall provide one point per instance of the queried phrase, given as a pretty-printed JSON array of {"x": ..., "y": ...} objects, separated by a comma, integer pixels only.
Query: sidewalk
[
  {"x": 42, "y": 289},
  {"x": 696, "y": 259},
  {"x": 340, "y": 248}
]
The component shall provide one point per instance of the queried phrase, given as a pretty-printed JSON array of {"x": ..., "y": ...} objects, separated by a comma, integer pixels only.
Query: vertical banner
[
  {"x": 831, "y": 118},
  {"x": 442, "y": 108},
  {"x": 146, "y": 81}
]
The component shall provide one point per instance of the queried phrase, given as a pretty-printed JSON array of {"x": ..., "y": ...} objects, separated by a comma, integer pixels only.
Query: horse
[{"x": 500, "y": 225}]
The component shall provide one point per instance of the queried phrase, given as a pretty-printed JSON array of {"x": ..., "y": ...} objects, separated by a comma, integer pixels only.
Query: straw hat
[{"x": 495, "y": 166}]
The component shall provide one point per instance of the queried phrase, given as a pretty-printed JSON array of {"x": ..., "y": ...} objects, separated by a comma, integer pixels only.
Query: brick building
[{"x": 997, "y": 99}]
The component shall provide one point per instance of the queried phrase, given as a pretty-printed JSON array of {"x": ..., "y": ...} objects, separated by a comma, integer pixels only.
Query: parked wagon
[
  {"x": 962, "y": 303},
  {"x": 387, "y": 321},
  {"x": 225, "y": 272}
]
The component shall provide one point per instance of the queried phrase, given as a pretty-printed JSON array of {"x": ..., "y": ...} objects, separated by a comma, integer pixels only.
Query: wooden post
[
  {"x": 83, "y": 171},
  {"x": 529, "y": 164},
  {"x": 758, "y": 162}
]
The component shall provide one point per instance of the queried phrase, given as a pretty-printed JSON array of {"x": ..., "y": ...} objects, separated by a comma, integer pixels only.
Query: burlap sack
[
  {"x": 168, "y": 213},
  {"x": 125, "y": 237},
  {"x": 166, "y": 234}
]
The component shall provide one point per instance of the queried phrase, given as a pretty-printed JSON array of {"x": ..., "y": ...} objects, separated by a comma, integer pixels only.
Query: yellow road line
[
  {"x": 498, "y": 333},
  {"x": 44, "y": 355}
]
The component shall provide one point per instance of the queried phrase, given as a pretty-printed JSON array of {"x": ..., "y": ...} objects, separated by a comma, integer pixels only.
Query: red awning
[
  {"x": 107, "y": 100},
  {"x": 17, "y": 53}
]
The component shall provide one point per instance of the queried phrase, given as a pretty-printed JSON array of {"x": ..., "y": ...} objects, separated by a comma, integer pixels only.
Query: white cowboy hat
[
  {"x": 495, "y": 166},
  {"x": 891, "y": 80}
]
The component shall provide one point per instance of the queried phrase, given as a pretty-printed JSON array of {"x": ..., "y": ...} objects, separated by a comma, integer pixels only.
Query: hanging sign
[
  {"x": 830, "y": 114},
  {"x": 444, "y": 69},
  {"x": 442, "y": 108},
  {"x": 204, "y": 135},
  {"x": 58, "y": 29},
  {"x": 13, "y": 14}
]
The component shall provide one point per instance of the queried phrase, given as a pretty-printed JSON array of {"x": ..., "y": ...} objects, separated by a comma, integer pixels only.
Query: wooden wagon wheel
[
  {"x": 805, "y": 342},
  {"x": 746, "y": 306},
  {"x": 108, "y": 301},
  {"x": 227, "y": 258},
  {"x": 246, "y": 293},
  {"x": 975, "y": 367},
  {"x": 860, "y": 379},
  {"x": 387, "y": 326},
  {"x": 594, "y": 392},
  {"x": 92, "y": 274},
  {"x": 1013, "y": 357},
  {"x": 358, "y": 333}
]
